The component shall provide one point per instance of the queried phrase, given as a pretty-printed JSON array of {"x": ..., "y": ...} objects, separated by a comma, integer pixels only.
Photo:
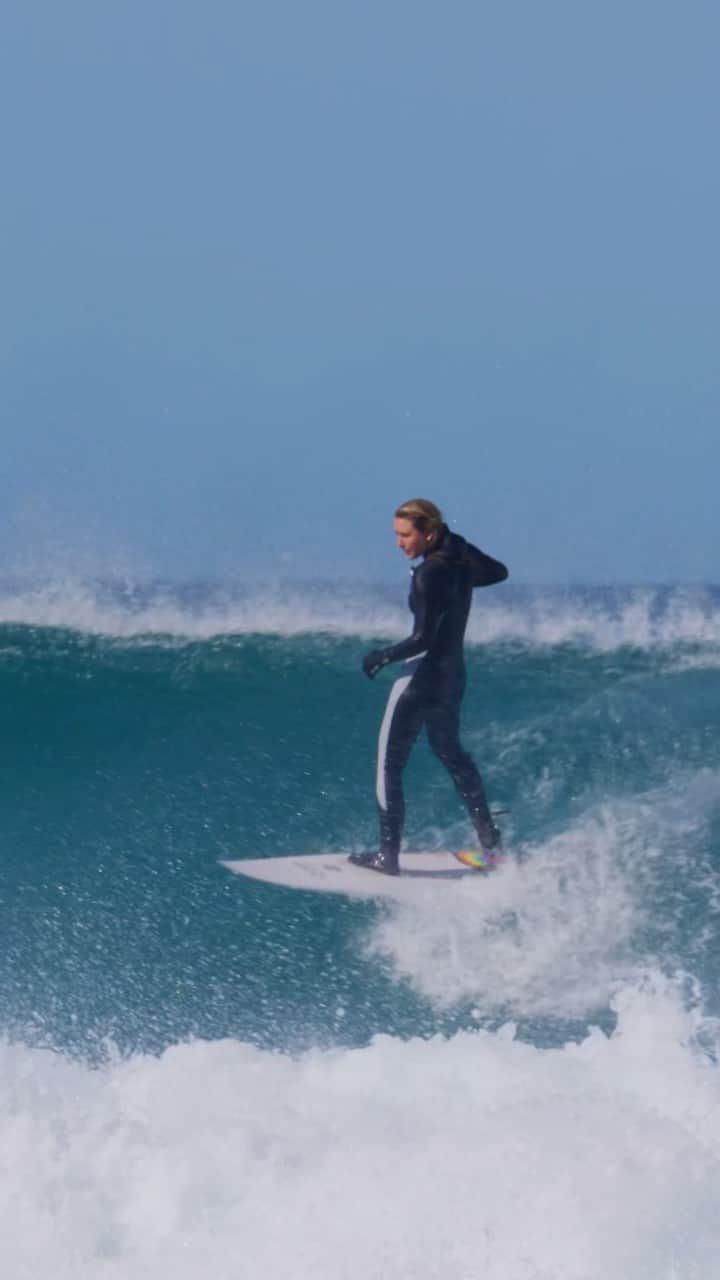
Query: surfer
[{"x": 429, "y": 691}]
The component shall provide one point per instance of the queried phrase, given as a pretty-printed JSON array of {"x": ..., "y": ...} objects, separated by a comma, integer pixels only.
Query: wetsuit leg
[
  {"x": 442, "y": 720},
  {"x": 401, "y": 725}
]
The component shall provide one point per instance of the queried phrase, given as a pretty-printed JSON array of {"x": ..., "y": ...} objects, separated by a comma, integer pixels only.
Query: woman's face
[{"x": 409, "y": 539}]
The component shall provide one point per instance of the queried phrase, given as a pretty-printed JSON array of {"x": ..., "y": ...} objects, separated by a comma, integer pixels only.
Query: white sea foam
[
  {"x": 549, "y": 936},
  {"x": 197, "y": 614},
  {"x": 477, "y": 1156},
  {"x": 564, "y": 923},
  {"x": 642, "y": 618}
]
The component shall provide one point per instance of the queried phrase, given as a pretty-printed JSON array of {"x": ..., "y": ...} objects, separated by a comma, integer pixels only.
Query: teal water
[
  {"x": 141, "y": 744},
  {"x": 133, "y": 765}
]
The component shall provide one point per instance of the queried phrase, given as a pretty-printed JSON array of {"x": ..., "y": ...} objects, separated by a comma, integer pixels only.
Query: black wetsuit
[{"x": 430, "y": 689}]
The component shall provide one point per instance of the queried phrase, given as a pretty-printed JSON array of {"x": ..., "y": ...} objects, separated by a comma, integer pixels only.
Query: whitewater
[{"x": 201, "y": 1075}]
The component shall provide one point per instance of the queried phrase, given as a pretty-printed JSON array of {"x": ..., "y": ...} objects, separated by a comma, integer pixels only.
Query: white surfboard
[{"x": 420, "y": 874}]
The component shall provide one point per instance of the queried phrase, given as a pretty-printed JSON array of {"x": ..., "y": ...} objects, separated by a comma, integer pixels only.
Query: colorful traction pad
[{"x": 479, "y": 861}]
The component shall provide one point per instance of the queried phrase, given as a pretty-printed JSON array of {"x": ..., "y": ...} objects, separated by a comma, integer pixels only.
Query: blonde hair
[{"x": 422, "y": 513}]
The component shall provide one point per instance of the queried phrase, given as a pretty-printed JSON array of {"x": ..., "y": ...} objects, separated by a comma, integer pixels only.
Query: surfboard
[{"x": 421, "y": 873}]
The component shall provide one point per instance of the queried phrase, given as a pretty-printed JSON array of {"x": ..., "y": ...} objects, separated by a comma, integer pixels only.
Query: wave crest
[{"x": 599, "y": 618}]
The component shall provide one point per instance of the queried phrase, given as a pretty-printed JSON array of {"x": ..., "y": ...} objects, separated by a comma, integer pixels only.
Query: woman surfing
[{"x": 428, "y": 692}]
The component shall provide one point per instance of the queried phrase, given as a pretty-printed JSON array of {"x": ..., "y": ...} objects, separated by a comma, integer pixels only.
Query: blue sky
[{"x": 270, "y": 269}]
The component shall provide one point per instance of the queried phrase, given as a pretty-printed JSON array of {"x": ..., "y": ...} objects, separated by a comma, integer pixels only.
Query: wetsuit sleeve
[
  {"x": 485, "y": 571},
  {"x": 430, "y": 601}
]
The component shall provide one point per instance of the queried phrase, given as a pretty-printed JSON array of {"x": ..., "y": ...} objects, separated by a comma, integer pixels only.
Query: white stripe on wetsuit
[{"x": 396, "y": 693}]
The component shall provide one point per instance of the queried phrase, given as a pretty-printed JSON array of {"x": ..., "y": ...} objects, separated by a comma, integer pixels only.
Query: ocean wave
[
  {"x": 423, "y": 1158},
  {"x": 604, "y": 619}
]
